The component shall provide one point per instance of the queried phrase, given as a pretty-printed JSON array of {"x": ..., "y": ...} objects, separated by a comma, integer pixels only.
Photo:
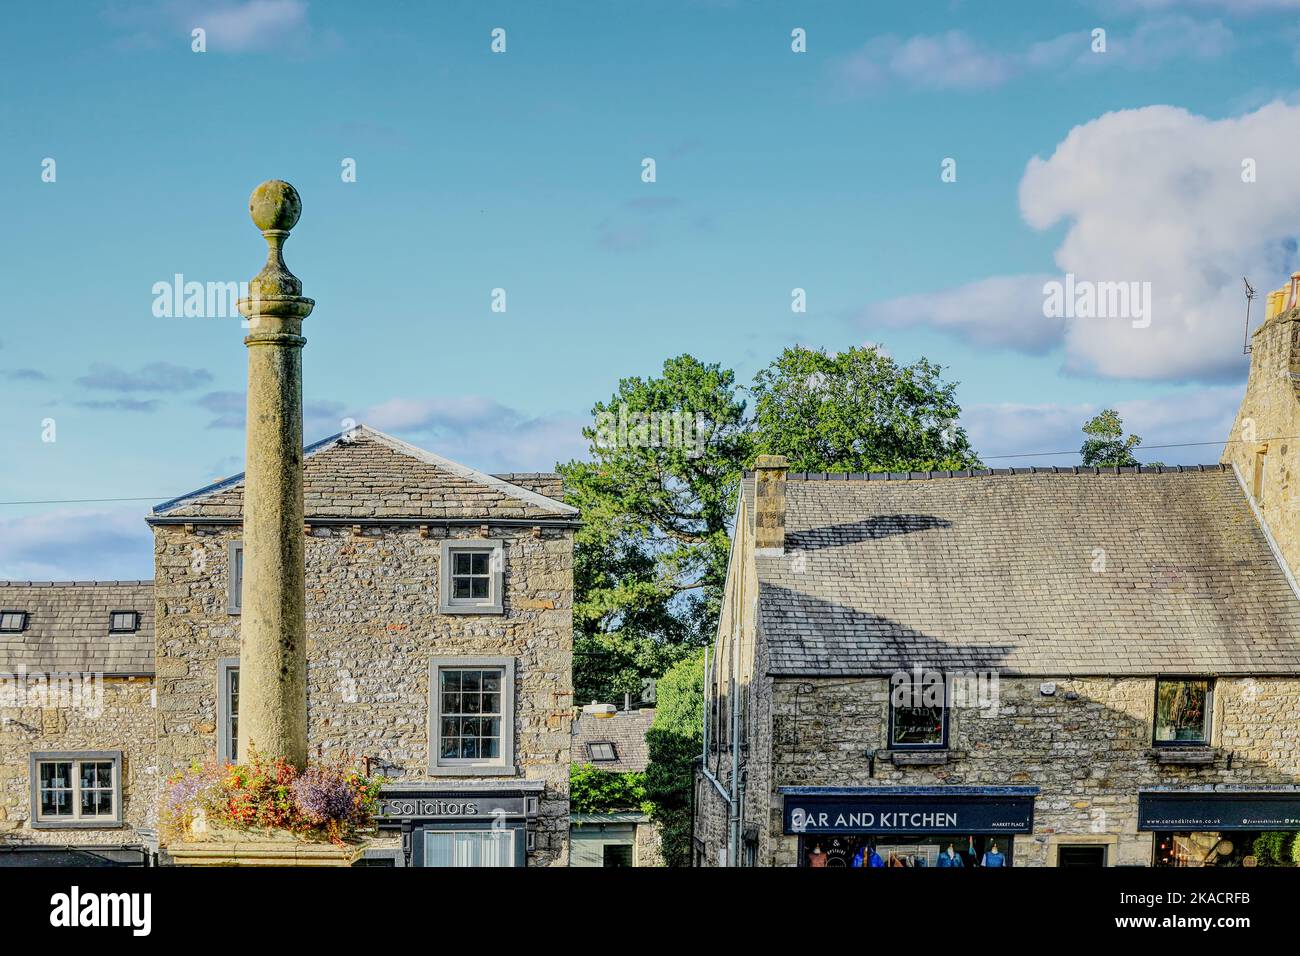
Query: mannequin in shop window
[
  {"x": 950, "y": 857},
  {"x": 867, "y": 857},
  {"x": 992, "y": 857},
  {"x": 817, "y": 857}
]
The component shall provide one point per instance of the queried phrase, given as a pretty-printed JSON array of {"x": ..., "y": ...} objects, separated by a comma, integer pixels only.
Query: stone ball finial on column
[
  {"x": 275, "y": 205},
  {"x": 274, "y": 208}
]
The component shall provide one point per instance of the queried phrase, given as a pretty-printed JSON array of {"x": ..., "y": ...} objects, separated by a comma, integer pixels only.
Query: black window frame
[
  {"x": 943, "y": 741},
  {"x": 135, "y": 622},
  {"x": 591, "y": 751},
  {"x": 22, "y": 623},
  {"x": 1209, "y": 709}
]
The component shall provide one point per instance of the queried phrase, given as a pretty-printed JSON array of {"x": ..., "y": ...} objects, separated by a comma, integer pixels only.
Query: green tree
[
  {"x": 656, "y": 498},
  {"x": 1277, "y": 848},
  {"x": 1106, "y": 445},
  {"x": 592, "y": 790},
  {"x": 858, "y": 410},
  {"x": 674, "y": 741}
]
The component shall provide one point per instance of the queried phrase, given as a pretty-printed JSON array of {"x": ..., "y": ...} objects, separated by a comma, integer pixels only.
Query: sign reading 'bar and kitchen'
[{"x": 875, "y": 814}]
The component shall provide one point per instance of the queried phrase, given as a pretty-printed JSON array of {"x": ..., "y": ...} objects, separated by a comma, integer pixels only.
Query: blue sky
[{"x": 522, "y": 171}]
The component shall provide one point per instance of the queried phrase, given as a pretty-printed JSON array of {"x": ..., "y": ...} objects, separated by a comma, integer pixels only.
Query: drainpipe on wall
[
  {"x": 704, "y": 752},
  {"x": 733, "y": 844}
]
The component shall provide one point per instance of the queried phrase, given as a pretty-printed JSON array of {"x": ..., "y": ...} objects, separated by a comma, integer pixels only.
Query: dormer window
[
  {"x": 123, "y": 622},
  {"x": 601, "y": 750},
  {"x": 13, "y": 622}
]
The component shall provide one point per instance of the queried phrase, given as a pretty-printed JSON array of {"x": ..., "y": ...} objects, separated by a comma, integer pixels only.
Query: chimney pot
[{"x": 769, "y": 504}]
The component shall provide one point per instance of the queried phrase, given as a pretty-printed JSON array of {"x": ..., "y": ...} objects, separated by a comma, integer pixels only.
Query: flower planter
[{"x": 205, "y": 846}]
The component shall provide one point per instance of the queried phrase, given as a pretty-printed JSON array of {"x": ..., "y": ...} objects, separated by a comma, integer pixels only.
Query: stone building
[
  {"x": 439, "y": 641},
  {"x": 78, "y": 771},
  {"x": 1076, "y": 666},
  {"x": 615, "y": 742}
]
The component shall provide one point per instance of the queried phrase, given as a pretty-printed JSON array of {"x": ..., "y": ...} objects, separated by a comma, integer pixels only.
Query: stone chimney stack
[
  {"x": 272, "y": 642},
  {"x": 1262, "y": 445},
  {"x": 769, "y": 504}
]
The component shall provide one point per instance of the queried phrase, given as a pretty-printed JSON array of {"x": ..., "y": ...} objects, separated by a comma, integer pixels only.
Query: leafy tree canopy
[
  {"x": 659, "y": 491},
  {"x": 1106, "y": 445},
  {"x": 656, "y": 499},
  {"x": 674, "y": 741},
  {"x": 592, "y": 790},
  {"x": 858, "y": 410}
]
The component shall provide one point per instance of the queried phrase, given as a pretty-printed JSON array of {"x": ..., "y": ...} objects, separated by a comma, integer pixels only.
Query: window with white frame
[
  {"x": 235, "y": 576},
  {"x": 472, "y": 719},
  {"x": 228, "y": 710},
  {"x": 472, "y": 578},
  {"x": 76, "y": 789}
]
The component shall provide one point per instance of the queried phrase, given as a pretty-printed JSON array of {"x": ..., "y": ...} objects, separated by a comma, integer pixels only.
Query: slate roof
[
  {"x": 365, "y": 473},
  {"x": 883, "y": 573},
  {"x": 626, "y": 730},
  {"x": 67, "y": 627}
]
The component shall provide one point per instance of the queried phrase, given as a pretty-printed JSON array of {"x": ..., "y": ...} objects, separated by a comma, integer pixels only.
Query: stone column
[{"x": 272, "y": 643}]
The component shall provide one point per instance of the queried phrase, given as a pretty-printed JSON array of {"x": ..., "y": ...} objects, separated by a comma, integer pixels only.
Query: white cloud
[
  {"x": 232, "y": 26},
  {"x": 1147, "y": 195},
  {"x": 471, "y": 429},
  {"x": 944, "y": 61},
  {"x": 1156, "y": 195},
  {"x": 956, "y": 61},
  {"x": 256, "y": 24},
  {"x": 1228, "y": 6},
  {"x": 481, "y": 433},
  {"x": 154, "y": 377},
  {"x": 81, "y": 544},
  {"x": 1003, "y": 311}
]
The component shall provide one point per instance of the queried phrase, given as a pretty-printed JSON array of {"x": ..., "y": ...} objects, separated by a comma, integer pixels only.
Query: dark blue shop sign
[
  {"x": 1192, "y": 810},
  {"x": 419, "y": 804},
  {"x": 909, "y": 810}
]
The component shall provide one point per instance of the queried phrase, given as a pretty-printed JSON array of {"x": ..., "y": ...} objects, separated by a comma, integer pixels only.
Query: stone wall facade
[
  {"x": 649, "y": 845},
  {"x": 124, "y": 719},
  {"x": 1261, "y": 444},
  {"x": 1089, "y": 755},
  {"x": 373, "y": 625}
]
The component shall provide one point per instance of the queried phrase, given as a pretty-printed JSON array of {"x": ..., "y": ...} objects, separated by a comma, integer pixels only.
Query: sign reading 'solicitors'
[{"x": 77, "y": 909}]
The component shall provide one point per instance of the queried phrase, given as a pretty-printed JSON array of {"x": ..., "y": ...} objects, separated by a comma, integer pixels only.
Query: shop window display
[
  {"x": 1213, "y": 848},
  {"x": 945, "y": 851},
  {"x": 1182, "y": 712},
  {"x": 918, "y": 716}
]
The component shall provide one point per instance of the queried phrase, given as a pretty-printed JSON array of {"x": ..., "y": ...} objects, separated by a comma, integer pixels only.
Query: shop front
[
  {"x": 1217, "y": 828},
  {"x": 482, "y": 825},
  {"x": 945, "y": 827}
]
